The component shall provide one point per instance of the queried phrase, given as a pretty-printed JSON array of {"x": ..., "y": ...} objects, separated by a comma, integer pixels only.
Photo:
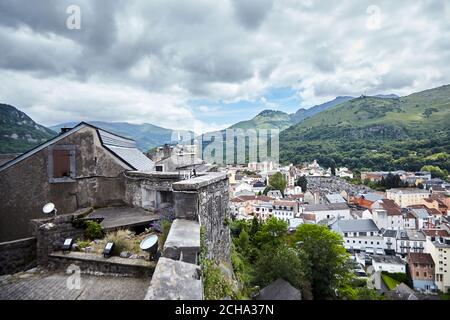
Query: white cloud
[{"x": 144, "y": 61}]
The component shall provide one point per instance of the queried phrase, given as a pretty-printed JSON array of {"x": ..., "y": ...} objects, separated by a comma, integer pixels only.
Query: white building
[
  {"x": 344, "y": 172},
  {"x": 285, "y": 210},
  {"x": 391, "y": 264},
  {"x": 386, "y": 214},
  {"x": 335, "y": 198},
  {"x": 243, "y": 186},
  {"x": 330, "y": 211},
  {"x": 407, "y": 197},
  {"x": 263, "y": 166},
  {"x": 438, "y": 245},
  {"x": 410, "y": 241},
  {"x": 263, "y": 210},
  {"x": 360, "y": 235},
  {"x": 293, "y": 191}
]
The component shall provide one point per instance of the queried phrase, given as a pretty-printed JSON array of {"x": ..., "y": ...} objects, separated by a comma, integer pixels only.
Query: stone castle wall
[{"x": 17, "y": 255}]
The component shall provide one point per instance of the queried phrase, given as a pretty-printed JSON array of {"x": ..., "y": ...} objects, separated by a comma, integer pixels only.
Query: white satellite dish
[{"x": 49, "y": 208}]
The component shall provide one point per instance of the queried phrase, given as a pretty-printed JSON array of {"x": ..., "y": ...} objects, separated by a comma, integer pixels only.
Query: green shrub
[
  {"x": 122, "y": 242},
  {"x": 83, "y": 244},
  {"x": 165, "y": 228},
  {"x": 215, "y": 285},
  {"x": 93, "y": 230}
]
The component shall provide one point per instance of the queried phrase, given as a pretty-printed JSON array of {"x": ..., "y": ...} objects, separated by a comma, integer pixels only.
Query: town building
[
  {"x": 335, "y": 198},
  {"x": 360, "y": 235},
  {"x": 410, "y": 241},
  {"x": 285, "y": 210},
  {"x": 438, "y": 246},
  {"x": 81, "y": 167},
  {"x": 386, "y": 214},
  {"x": 421, "y": 268},
  {"x": 391, "y": 264},
  {"x": 407, "y": 196},
  {"x": 276, "y": 194},
  {"x": 331, "y": 211}
]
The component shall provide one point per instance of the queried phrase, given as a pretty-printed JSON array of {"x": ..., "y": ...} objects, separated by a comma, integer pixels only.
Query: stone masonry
[{"x": 17, "y": 255}]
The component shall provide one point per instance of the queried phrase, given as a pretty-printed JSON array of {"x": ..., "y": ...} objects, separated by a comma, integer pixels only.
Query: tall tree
[
  {"x": 278, "y": 182},
  {"x": 303, "y": 183},
  {"x": 325, "y": 260},
  {"x": 273, "y": 233}
]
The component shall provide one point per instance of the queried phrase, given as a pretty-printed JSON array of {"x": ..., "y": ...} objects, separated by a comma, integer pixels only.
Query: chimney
[
  {"x": 64, "y": 130},
  {"x": 167, "y": 151}
]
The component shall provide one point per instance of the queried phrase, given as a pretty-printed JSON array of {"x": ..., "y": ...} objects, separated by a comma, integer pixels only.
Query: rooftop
[
  {"x": 387, "y": 259},
  {"x": 360, "y": 225},
  {"x": 407, "y": 191},
  {"x": 420, "y": 258},
  {"x": 326, "y": 207},
  {"x": 121, "y": 217},
  {"x": 335, "y": 198},
  {"x": 279, "y": 290}
]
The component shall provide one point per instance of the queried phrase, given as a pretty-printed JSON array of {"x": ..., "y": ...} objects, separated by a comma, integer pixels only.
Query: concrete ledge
[
  {"x": 199, "y": 182},
  {"x": 95, "y": 264},
  {"x": 155, "y": 175},
  {"x": 175, "y": 280},
  {"x": 183, "y": 241}
]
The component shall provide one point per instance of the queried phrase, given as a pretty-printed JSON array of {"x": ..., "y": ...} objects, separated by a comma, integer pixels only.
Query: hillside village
[{"x": 399, "y": 231}]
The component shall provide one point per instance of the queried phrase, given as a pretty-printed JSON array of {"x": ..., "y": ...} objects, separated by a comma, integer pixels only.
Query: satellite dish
[{"x": 49, "y": 208}]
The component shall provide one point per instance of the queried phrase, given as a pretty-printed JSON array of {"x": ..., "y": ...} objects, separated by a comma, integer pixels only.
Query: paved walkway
[{"x": 47, "y": 286}]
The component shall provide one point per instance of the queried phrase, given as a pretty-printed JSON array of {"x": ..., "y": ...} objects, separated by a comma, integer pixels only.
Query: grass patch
[
  {"x": 389, "y": 282},
  {"x": 444, "y": 296}
]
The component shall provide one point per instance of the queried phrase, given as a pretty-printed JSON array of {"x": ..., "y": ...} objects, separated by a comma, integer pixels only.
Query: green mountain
[
  {"x": 267, "y": 119},
  {"x": 302, "y": 113},
  {"x": 376, "y": 133},
  {"x": 146, "y": 135},
  {"x": 18, "y": 132}
]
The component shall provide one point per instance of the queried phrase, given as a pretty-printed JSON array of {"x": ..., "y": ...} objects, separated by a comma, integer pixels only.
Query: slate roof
[
  {"x": 389, "y": 233},
  {"x": 335, "y": 198},
  {"x": 359, "y": 225},
  {"x": 388, "y": 259},
  {"x": 123, "y": 148},
  {"x": 372, "y": 196},
  {"x": 420, "y": 213},
  {"x": 326, "y": 207},
  {"x": 279, "y": 290}
]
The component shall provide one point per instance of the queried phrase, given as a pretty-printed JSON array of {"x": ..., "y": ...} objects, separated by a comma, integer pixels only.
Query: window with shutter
[{"x": 61, "y": 163}]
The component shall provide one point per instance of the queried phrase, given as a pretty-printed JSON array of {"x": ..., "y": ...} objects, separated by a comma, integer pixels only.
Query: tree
[
  {"x": 278, "y": 182},
  {"x": 272, "y": 234},
  {"x": 303, "y": 183},
  {"x": 243, "y": 241},
  {"x": 255, "y": 227},
  {"x": 282, "y": 262},
  {"x": 435, "y": 171},
  {"x": 325, "y": 260}
]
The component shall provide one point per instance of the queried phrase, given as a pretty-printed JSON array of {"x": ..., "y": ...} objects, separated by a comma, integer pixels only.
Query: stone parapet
[
  {"x": 95, "y": 264},
  {"x": 17, "y": 255},
  {"x": 183, "y": 241},
  {"x": 175, "y": 280}
]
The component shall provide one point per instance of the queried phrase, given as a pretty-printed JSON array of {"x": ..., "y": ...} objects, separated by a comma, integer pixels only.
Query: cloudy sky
[{"x": 204, "y": 64}]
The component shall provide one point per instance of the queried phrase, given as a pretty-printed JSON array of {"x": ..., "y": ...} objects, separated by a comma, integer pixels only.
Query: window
[
  {"x": 61, "y": 163},
  {"x": 424, "y": 274},
  {"x": 417, "y": 273},
  {"x": 159, "y": 168}
]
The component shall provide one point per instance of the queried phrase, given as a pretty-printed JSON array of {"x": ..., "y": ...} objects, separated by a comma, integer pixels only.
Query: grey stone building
[{"x": 83, "y": 166}]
